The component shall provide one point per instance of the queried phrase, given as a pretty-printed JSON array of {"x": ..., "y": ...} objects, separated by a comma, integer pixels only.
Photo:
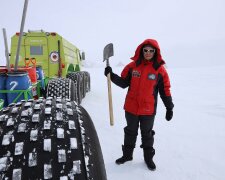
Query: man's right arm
[{"x": 123, "y": 81}]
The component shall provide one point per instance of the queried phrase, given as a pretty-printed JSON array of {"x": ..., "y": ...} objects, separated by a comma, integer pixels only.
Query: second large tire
[{"x": 61, "y": 87}]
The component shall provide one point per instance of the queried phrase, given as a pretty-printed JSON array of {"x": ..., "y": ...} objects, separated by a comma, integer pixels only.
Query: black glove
[
  {"x": 169, "y": 114},
  {"x": 108, "y": 70}
]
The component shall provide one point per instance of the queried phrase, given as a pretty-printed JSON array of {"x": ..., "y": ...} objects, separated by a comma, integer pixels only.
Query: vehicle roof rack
[{"x": 36, "y": 31}]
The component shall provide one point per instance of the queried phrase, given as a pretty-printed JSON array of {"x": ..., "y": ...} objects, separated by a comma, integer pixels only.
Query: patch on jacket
[
  {"x": 151, "y": 76},
  {"x": 136, "y": 74}
]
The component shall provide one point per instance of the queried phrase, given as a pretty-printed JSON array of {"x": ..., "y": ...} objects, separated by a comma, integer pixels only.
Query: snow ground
[{"x": 189, "y": 147}]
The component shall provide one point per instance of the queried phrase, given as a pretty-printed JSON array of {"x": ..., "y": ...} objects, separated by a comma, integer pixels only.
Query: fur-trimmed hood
[{"x": 153, "y": 43}]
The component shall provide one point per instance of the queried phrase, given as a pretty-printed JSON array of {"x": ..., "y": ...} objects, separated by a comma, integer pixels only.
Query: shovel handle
[{"x": 110, "y": 100}]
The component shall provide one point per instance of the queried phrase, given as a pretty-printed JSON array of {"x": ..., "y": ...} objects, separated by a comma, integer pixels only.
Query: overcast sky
[{"x": 189, "y": 32}]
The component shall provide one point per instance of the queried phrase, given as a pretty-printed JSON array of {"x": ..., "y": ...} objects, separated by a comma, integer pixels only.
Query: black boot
[
  {"x": 148, "y": 156},
  {"x": 127, "y": 155}
]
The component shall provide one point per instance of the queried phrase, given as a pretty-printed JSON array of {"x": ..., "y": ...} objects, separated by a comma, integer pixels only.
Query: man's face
[{"x": 148, "y": 52}]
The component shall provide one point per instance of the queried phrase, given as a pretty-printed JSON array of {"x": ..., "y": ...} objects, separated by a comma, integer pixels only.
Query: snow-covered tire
[
  {"x": 76, "y": 78},
  {"x": 49, "y": 139},
  {"x": 61, "y": 87}
]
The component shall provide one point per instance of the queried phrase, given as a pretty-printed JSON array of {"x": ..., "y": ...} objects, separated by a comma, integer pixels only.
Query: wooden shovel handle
[{"x": 110, "y": 100}]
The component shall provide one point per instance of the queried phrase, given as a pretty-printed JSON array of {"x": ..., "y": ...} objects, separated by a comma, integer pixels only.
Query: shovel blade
[{"x": 108, "y": 51}]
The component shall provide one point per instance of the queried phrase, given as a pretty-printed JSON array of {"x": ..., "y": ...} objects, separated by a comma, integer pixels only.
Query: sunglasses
[{"x": 149, "y": 50}]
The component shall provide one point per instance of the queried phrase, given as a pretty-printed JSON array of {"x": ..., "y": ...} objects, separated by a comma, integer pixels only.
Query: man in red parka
[{"x": 145, "y": 76}]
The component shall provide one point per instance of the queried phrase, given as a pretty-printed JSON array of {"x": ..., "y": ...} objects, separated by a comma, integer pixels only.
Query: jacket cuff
[{"x": 168, "y": 102}]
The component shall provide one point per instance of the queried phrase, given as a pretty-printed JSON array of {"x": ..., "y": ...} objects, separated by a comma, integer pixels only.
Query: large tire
[
  {"x": 49, "y": 139},
  {"x": 61, "y": 87},
  {"x": 76, "y": 78}
]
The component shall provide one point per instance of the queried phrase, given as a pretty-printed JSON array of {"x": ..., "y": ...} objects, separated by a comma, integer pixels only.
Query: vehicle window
[{"x": 36, "y": 50}]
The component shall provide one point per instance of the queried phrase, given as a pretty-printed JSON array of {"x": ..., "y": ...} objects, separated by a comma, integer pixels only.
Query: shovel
[{"x": 107, "y": 53}]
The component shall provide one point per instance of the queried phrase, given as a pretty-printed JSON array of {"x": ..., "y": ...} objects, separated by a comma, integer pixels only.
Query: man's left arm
[{"x": 165, "y": 94}]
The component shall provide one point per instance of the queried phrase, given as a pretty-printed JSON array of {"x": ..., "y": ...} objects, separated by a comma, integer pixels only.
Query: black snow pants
[{"x": 131, "y": 130}]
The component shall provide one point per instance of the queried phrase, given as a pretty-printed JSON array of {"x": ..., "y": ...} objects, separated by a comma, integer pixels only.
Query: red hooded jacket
[{"x": 145, "y": 79}]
